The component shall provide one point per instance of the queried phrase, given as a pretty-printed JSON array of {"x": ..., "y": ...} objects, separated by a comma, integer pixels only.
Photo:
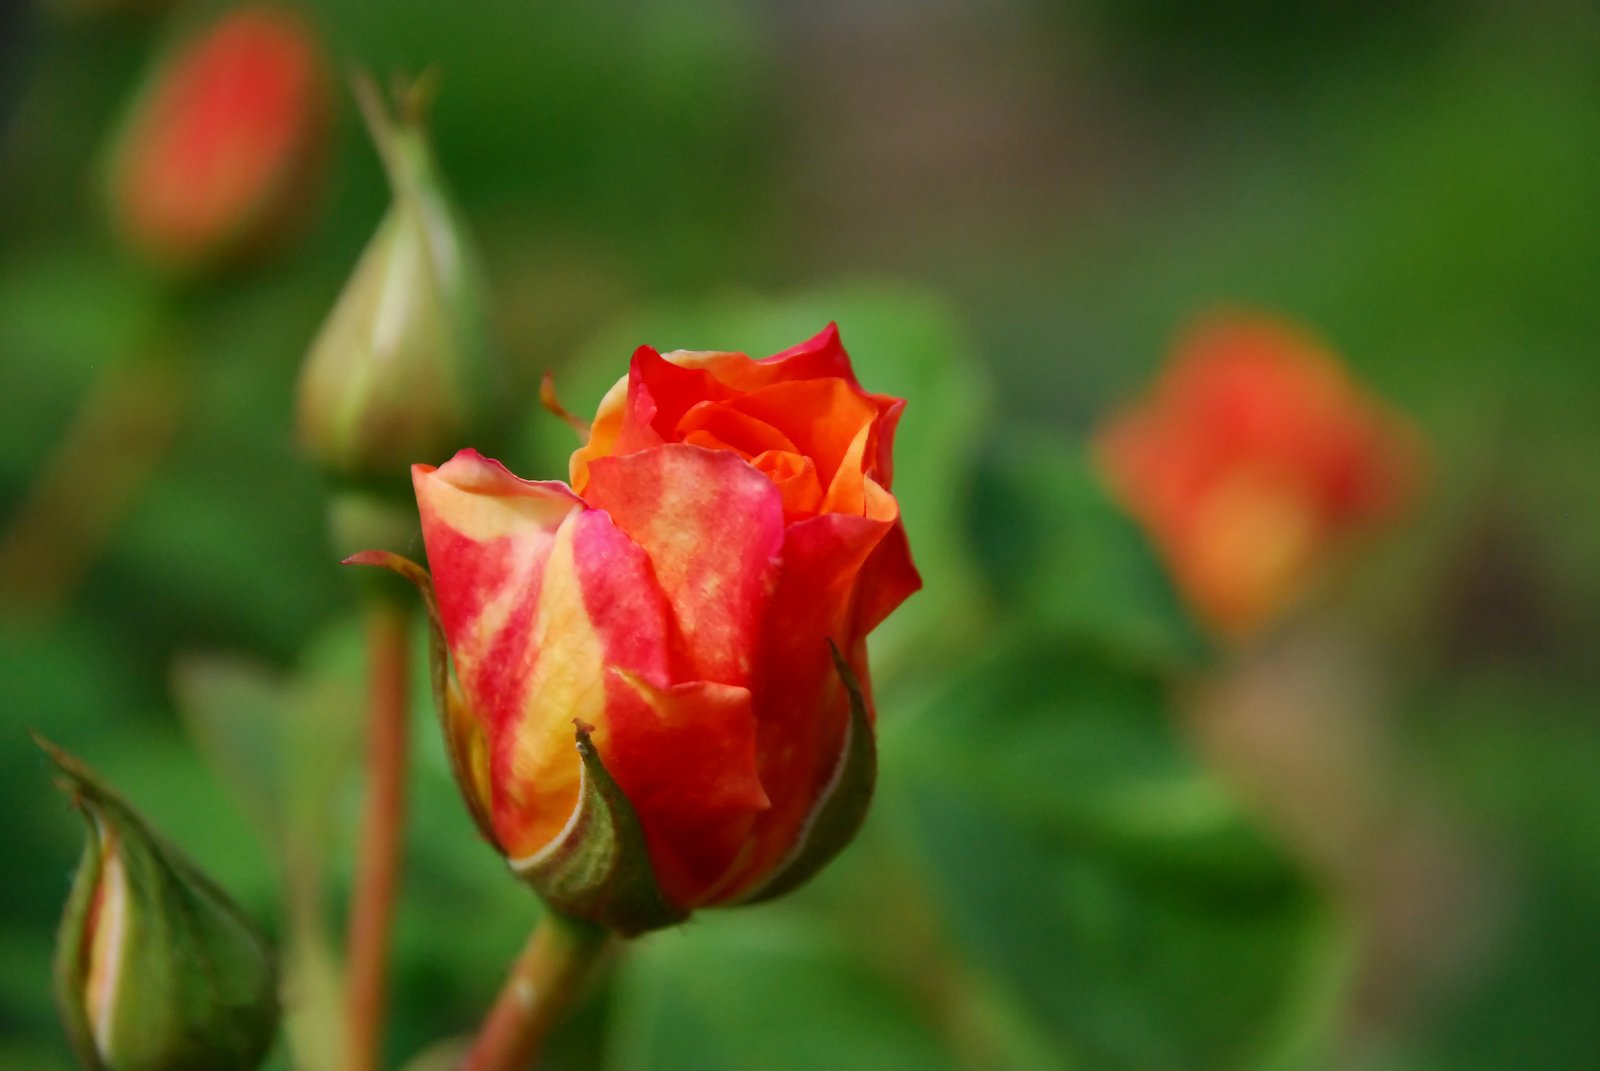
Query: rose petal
[
  {"x": 847, "y": 491},
  {"x": 822, "y": 417},
  {"x": 744, "y": 434},
  {"x": 641, "y": 410},
  {"x": 820, "y": 357},
  {"x": 795, "y": 477},
  {"x": 889, "y": 412},
  {"x": 686, "y": 757},
  {"x": 712, "y": 526},
  {"x": 888, "y": 577},
  {"x": 598, "y": 610},
  {"x": 488, "y": 535},
  {"x": 603, "y": 433},
  {"x": 537, "y": 596},
  {"x": 801, "y": 706}
]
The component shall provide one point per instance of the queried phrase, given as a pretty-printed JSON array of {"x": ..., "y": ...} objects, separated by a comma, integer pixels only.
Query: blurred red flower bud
[
  {"x": 218, "y": 159},
  {"x": 1252, "y": 460}
]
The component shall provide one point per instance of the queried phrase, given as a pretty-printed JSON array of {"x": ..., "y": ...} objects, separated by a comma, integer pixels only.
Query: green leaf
[
  {"x": 1082, "y": 855},
  {"x": 235, "y": 711},
  {"x": 286, "y": 746},
  {"x": 764, "y": 991},
  {"x": 1062, "y": 553}
]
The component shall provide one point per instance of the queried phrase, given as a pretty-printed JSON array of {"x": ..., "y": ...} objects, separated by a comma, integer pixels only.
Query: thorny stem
[
  {"x": 546, "y": 978},
  {"x": 382, "y": 828}
]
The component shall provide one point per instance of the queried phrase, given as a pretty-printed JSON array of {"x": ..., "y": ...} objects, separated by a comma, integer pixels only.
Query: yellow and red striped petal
[
  {"x": 712, "y": 526},
  {"x": 537, "y": 597},
  {"x": 598, "y": 610}
]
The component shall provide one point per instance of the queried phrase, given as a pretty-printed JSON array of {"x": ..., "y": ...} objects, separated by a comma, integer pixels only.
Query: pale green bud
[
  {"x": 401, "y": 370},
  {"x": 156, "y": 968}
]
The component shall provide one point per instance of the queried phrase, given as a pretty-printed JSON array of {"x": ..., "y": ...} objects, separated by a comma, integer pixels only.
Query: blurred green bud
[
  {"x": 156, "y": 968},
  {"x": 401, "y": 371}
]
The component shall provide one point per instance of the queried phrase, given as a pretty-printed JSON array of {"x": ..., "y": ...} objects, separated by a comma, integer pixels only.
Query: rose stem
[
  {"x": 543, "y": 983},
  {"x": 382, "y": 825}
]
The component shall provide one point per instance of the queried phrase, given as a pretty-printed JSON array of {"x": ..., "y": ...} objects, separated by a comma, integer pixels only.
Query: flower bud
[
  {"x": 1253, "y": 461},
  {"x": 401, "y": 368},
  {"x": 156, "y": 969},
  {"x": 218, "y": 160},
  {"x": 662, "y": 701}
]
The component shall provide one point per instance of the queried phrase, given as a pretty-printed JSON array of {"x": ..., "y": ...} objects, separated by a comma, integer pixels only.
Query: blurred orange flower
[
  {"x": 218, "y": 157},
  {"x": 1251, "y": 461}
]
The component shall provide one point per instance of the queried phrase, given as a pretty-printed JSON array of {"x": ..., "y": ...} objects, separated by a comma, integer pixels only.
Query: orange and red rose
[
  {"x": 1253, "y": 459},
  {"x": 727, "y": 519}
]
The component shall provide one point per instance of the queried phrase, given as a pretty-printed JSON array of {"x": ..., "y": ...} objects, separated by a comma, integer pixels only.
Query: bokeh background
[{"x": 1371, "y": 840}]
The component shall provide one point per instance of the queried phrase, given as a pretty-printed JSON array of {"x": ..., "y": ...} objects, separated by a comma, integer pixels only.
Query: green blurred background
[{"x": 1371, "y": 842}]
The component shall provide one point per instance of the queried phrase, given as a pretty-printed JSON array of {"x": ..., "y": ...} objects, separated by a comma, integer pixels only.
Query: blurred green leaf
[
  {"x": 1519, "y": 955},
  {"x": 286, "y": 747},
  {"x": 236, "y": 712},
  {"x": 1082, "y": 854},
  {"x": 1062, "y": 553},
  {"x": 760, "y": 990}
]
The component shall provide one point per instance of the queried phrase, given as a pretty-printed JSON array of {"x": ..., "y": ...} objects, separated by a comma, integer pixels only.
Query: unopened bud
[
  {"x": 400, "y": 371},
  {"x": 218, "y": 160},
  {"x": 156, "y": 968}
]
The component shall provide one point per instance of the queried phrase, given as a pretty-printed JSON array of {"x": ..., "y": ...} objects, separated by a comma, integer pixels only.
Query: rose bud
[
  {"x": 1254, "y": 459},
  {"x": 222, "y": 151},
  {"x": 156, "y": 969},
  {"x": 401, "y": 368},
  {"x": 694, "y": 607}
]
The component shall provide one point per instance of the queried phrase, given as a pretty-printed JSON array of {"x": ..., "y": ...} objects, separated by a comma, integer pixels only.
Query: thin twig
[{"x": 382, "y": 826}]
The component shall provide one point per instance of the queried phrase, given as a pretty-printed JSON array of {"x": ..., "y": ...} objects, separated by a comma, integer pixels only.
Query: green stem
[
  {"x": 382, "y": 828},
  {"x": 545, "y": 980}
]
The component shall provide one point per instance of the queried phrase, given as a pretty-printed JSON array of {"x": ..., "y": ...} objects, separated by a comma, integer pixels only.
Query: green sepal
[
  {"x": 464, "y": 741},
  {"x": 598, "y": 867},
  {"x": 838, "y": 817},
  {"x": 196, "y": 984}
]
